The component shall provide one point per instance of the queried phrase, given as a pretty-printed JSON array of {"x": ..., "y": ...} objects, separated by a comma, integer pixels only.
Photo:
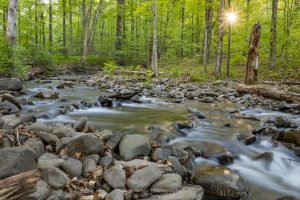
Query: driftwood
[
  {"x": 280, "y": 83},
  {"x": 266, "y": 92},
  {"x": 19, "y": 186},
  {"x": 252, "y": 61}
]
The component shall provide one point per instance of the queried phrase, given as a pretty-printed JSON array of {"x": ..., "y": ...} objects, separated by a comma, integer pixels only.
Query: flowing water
[{"x": 268, "y": 177}]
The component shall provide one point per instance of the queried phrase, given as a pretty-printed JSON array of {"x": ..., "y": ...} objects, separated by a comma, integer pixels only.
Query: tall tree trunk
[
  {"x": 192, "y": 35},
  {"x": 64, "y": 27},
  {"x": 119, "y": 33},
  {"x": 36, "y": 23},
  {"x": 4, "y": 19},
  {"x": 71, "y": 25},
  {"x": 252, "y": 61},
  {"x": 207, "y": 33},
  {"x": 164, "y": 46},
  {"x": 43, "y": 30},
  {"x": 12, "y": 22},
  {"x": 50, "y": 27},
  {"x": 228, "y": 47},
  {"x": 154, "y": 62},
  {"x": 197, "y": 35},
  {"x": 86, "y": 24},
  {"x": 274, "y": 34},
  {"x": 220, "y": 40},
  {"x": 182, "y": 29},
  {"x": 89, "y": 33}
]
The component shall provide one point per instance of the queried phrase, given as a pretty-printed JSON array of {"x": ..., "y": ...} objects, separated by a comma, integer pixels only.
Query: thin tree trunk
[
  {"x": 64, "y": 27},
  {"x": 228, "y": 48},
  {"x": 43, "y": 30},
  {"x": 192, "y": 35},
  {"x": 154, "y": 62},
  {"x": 95, "y": 22},
  {"x": 50, "y": 27},
  {"x": 220, "y": 40},
  {"x": 119, "y": 33},
  {"x": 71, "y": 26},
  {"x": 164, "y": 46},
  {"x": 86, "y": 21},
  {"x": 36, "y": 23},
  {"x": 207, "y": 33},
  {"x": 4, "y": 19},
  {"x": 252, "y": 61},
  {"x": 12, "y": 22},
  {"x": 274, "y": 34},
  {"x": 197, "y": 35},
  {"x": 182, "y": 29}
]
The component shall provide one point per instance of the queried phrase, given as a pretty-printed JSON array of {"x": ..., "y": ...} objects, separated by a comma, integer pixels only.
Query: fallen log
[
  {"x": 270, "y": 93},
  {"x": 19, "y": 186}
]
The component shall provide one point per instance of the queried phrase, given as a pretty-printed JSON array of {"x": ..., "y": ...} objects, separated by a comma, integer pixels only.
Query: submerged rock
[
  {"x": 220, "y": 182},
  {"x": 47, "y": 95}
]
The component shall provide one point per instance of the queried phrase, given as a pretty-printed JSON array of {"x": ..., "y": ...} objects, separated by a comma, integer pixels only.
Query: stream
[{"x": 268, "y": 177}]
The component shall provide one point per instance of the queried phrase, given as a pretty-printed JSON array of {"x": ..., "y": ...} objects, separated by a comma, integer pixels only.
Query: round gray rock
[
  {"x": 132, "y": 146},
  {"x": 168, "y": 183},
  {"x": 73, "y": 167},
  {"x": 86, "y": 144},
  {"x": 55, "y": 177},
  {"x": 141, "y": 179},
  {"x": 115, "y": 177},
  {"x": 16, "y": 160}
]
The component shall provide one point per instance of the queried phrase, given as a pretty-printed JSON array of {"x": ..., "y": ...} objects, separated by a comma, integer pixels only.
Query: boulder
[
  {"x": 16, "y": 121},
  {"x": 115, "y": 177},
  {"x": 177, "y": 167},
  {"x": 16, "y": 160},
  {"x": 115, "y": 139},
  {"x": 86, "y": 144},
  {"x": 193, "y": 192},
  {"x": 55, "y": 177},
  {"x": 73, "y": 167},
  {"x": 197, "y": 113},
  {"x": 133, "y": 146},
  {"x": 11, "y": 84},
  {"x": 167, "y": 183},
  {"x": 141, "y": 179},
  {"x": 219, "y": 181}
]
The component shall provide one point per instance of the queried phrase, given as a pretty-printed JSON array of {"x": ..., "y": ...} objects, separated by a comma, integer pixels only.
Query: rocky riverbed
[{"x": 128, "y": 138}]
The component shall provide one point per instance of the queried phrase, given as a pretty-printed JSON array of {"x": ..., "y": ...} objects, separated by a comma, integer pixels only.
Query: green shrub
[{"x": 110, "y": 67}]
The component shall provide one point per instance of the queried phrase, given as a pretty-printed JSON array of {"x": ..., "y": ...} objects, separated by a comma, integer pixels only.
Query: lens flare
[{"x": 231, "y": 17}]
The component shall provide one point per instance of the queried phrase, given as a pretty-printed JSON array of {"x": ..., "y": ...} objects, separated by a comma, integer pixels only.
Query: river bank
[{"x": 131, "y": 138}]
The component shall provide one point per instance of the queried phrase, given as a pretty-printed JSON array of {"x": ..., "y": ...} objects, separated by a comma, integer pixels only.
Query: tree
[
  {"x": 207, "y": 32},
  {"x": 274, "y": 34},
  {"x": 12, "y": 22},
  {"x": 50, "y": 27},
  {"x": 64, "y": 15},
  {"x": 220, "y": 40},
  {"x": 154, "y": 62},
  {"x": 89, "y": 34},
  {"x": 252, "y": 61},
  {"x": 119, "y": 33}
]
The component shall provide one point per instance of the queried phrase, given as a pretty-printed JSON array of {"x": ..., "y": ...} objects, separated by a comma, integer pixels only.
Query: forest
[
  {"x": 188, "y": 35},
  {"x": 149, "y": 99}
]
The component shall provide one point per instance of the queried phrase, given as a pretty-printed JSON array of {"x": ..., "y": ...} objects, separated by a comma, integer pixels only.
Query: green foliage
[{"x": 110, "y": 67}]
